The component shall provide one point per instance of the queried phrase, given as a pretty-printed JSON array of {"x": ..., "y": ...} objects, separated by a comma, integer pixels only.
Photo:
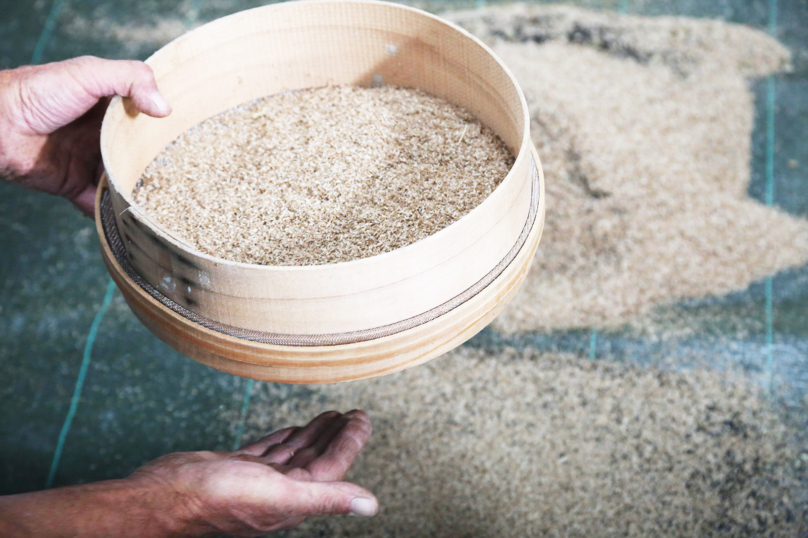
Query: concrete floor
[{"x": 141, "y": 399}]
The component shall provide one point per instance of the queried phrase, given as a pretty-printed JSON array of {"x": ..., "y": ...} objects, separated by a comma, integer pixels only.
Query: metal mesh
[{"x": 119, "y": 251}]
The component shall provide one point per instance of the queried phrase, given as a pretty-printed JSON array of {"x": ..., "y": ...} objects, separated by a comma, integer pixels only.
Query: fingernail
[
  {"x": 361, "y": 507},
  {"x": 160, "y": 103}
]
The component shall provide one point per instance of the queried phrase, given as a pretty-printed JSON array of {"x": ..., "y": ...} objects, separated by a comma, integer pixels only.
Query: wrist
[
  {"x": 167, "y": 511},
  {"x": 127, "y": 507}
]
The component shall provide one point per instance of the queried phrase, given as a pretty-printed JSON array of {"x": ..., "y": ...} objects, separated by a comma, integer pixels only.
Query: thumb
[
  {"x": 133, "y": 79},
  {"x": 331, "y": 498},
  {"x": 51, "y": 96}
]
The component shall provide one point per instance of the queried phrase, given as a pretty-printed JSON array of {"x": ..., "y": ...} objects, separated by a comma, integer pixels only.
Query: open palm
[{"x": 272, "y": 484}]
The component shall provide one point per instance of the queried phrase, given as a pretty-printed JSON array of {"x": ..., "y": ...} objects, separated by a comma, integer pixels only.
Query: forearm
[
  {"x": 6, "y": 87},
  {"x": 119, "y": 508}
]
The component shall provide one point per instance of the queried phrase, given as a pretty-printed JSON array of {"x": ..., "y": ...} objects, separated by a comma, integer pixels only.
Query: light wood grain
[
  {"x": 304, "y": 44},
  {"x": 327, "y": 364}
]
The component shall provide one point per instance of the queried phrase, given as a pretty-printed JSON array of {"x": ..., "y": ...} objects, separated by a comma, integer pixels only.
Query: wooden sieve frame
[{"x": 315, "y": 43}]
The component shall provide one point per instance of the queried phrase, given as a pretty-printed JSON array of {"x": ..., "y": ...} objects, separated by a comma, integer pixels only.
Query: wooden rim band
[{"x": 119, "y": 252}]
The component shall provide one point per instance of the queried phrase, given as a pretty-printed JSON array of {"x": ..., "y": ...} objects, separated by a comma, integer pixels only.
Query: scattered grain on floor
[
  {"x": 323, "y": 175},
  {"x": 516, "y": 443},
  {"x": 644, "y": 129}
]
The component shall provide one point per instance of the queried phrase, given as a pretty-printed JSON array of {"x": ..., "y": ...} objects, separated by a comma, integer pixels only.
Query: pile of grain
[
  {"x": 643, "y": 126},
  {"x": 514, "y": 443},
  {"x": 323, "y": 175}
]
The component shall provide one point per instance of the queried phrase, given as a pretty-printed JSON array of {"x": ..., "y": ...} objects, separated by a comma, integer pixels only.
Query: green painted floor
[{"x": 140, "y": 399}]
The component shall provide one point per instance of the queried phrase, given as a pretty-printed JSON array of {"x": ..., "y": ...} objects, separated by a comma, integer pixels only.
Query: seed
[{"x": 323, "y": 175}]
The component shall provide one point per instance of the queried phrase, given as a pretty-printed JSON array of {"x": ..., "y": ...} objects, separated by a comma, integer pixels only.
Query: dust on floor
[{"x": 516, "y": 443}]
